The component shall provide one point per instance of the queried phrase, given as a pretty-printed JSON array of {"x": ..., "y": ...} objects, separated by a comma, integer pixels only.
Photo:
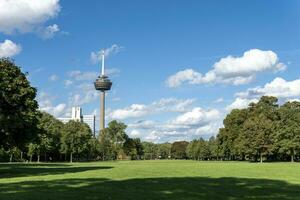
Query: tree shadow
[
  {"x": 227, "y": 188},
  {"x": 23, "y": 170}
]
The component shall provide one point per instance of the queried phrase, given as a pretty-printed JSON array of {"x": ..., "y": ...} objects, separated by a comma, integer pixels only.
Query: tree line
[
  {"x": 29, "y": 134},
  {"x": 263, "y": 131}
]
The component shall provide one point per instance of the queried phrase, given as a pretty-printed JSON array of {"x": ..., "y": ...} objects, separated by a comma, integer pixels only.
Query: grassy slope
[{"x": 150, "y": 180}]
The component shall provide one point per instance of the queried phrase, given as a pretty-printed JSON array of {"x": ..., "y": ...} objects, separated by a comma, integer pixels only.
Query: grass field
[{"x": 150, "y": 180}]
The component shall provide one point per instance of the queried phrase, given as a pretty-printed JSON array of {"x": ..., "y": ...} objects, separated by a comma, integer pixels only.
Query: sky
[{"x": 177, "y": 67}]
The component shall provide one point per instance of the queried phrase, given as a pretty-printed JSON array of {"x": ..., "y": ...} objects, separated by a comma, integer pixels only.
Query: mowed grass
[{"x": 169, "y": 179}]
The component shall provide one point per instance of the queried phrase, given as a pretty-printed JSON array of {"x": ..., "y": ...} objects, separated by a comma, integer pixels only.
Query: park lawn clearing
[{"x": 155, "y": 179}]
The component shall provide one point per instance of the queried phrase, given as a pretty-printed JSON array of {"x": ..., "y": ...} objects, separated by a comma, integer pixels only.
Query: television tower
[{"x": 103, "y": 84}]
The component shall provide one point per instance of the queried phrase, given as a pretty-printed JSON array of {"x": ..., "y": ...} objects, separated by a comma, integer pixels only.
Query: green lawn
[{"x": 150, "y": 180}]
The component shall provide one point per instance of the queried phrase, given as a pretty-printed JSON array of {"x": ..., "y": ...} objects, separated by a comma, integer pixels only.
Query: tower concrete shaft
[{"x": 102, "y": 110}]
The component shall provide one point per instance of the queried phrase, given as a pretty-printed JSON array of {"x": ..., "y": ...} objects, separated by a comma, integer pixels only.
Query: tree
[
  {"x": 133, "y": 148},
  {"x": 106, "y": 146},
  {"x": 288, "y": 132},
  {"x": 192, "y": 150},
  {"x": 164, "y": 150},
  {"x": 75, "y": 138},
  {"x": 18, "y": 107},
  {"x": 32, "y": 148},
  {"x": 117, "y": 135},
  {"x": 227, "y": 137},
  {"x": 49, "y": 134},
  {"x": 178, "y": 150},
  {"x": 150, "y": 150},
  {"x": 260, "y": 126}
]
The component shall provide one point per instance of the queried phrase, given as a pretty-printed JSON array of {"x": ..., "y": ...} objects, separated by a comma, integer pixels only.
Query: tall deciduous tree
[
  {"x": 178, "y": 150},
  {"x": 18, "y": 107},
  {"x": 75, "y": 138},
  {"x": 288, "y": 133}
]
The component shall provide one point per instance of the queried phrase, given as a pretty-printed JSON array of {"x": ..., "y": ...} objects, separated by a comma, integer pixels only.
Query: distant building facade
[{"x": 77, "y": 115}]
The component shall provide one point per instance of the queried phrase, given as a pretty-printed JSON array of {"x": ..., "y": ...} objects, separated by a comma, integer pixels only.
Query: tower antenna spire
[{"x": 103, "y": 56}]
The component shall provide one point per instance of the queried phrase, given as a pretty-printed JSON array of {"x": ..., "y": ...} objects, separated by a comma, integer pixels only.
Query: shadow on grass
[
  {"x": 152, "y": 188},
  {"x": 23, "y": 170}
]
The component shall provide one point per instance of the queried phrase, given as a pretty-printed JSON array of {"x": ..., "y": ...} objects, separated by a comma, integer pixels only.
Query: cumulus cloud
[
  {"x": 9, "y": 49},
  {"x": 279, "y": 87},
  {"x": 142, "y": 124},
  {"x": 67, "y": 83},
  {"x": 187, "y": 126},
  {"x": 46, "y": 104},
  {"x": 25, "y": 16},
  {"x": 219, "y": 100},
  {"x": 96, "y": 56},
  {"x": 85, "y": 93},
  {"x": 231, "y": 70},
  {"x": 197, "y": 116},
  {"x": 49, "y": 31},
  {"x": 240, "y": 103},
  {"x": 53, "y": 77},
  {"x": 162, "y": 105},
  {"x": 78, "y": 75}
]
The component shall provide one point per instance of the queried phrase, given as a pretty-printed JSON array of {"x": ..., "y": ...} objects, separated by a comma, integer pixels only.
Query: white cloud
[
  {"x": 78, "y": 75},
  {"x": 187, "y": 75},
  {"x": 135, "y": 110},
  {"x": 9, "y": 49},
  {"x": 134, "y": 134},
  {"x": 53, "y": 77},
  {"x": 279, "y": 87},
  {"x": 46, "y": 104},
  {"x": 84, "y": 93},
  {"x": 231, "y": 70},
  {"x": 96, "y": 56},
  {"x": 163, "y": 105},
  {"x": 82, "y": 76},
  {"x": 142, "y": 124},
  {"x": 240, "y": 103},
  {"x": 81, "y": 99},
  {"x": 153, "y": 136},
  {"x": 49, "y": 31},
  {"x": 26, "y": 15},
  {"x": 219, "y": 100},
  {"x": 67, "y": 83},
  {"x": 197, "y": 116},
  {"x": 189, "y": 125}
]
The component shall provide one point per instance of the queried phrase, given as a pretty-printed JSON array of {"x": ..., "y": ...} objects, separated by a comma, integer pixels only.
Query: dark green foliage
[
  {"x": 156, "y": 151},
  {"x": 133, "y": 148},
  {"x": 178, "y": 150},
  {"x": 18, "y": 107},
  {"x": 263, "y": 131},
  {"x": 288, "y": 131},
  {"x": 75, "y": 138}
]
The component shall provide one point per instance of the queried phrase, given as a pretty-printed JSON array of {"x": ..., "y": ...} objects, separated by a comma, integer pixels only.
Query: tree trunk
[
  {"x": 71, "y": 157},
  {"x": 38, "y": 158},
  {"x": 11, "y": 157},
  {"x": 45, "y": 157},
  {"x": 30, "y": 158},
  {"x": 21, "y": 155},
  {"x": 261, "y": 158}
]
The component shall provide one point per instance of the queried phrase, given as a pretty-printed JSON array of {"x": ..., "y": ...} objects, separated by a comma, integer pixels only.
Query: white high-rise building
[{"x": 77, "y": 115}]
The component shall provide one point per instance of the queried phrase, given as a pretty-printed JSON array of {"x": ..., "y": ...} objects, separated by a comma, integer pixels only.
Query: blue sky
[{"x": 178, "y": 67}]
